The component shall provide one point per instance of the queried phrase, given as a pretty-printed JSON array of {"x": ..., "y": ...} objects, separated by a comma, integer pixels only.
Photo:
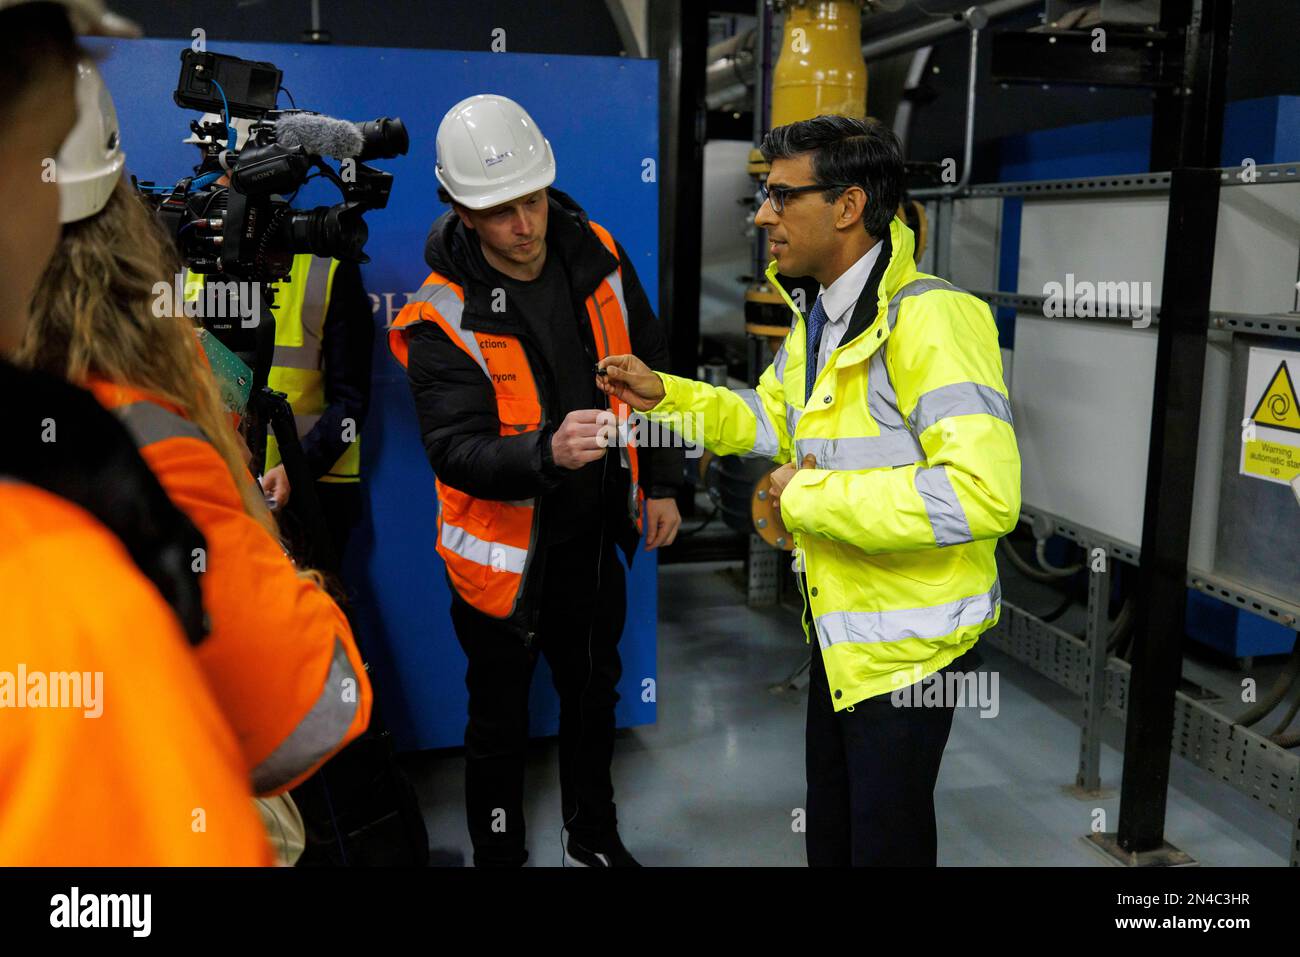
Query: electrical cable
[
  {"x": 1281, "y": 686},
  {"x": 712, "y": 515},
  {"x": 1023, "y": 566},
  {"x": 591, "y": 630},
  {"x": 231, "y": 139},
  {"x": 1287, "y": 719},
  {"x": 1066, "y": 602},
  {"x": 1040, "y": 552}
]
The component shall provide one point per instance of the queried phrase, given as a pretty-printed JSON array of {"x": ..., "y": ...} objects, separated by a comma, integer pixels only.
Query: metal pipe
[
  {"x": 729, "y": 73},
  {"x": 903, "y": 115},
  {"x": 928, "y": 33},
  {"x": 975, "y": 19}
]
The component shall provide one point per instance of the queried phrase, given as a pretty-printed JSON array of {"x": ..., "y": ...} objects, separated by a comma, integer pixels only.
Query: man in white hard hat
[{"x": 500, "y": 344}]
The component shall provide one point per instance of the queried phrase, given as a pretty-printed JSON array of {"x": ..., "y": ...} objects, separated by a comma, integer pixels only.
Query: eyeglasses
[{"x": 776, "y": 195}]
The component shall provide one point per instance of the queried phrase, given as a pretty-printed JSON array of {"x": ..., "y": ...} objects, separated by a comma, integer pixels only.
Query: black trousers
[
  {"x": 582, "y": 610},
  {"x": 871, "y": 775},
  {"x": 340, "y": 503}
]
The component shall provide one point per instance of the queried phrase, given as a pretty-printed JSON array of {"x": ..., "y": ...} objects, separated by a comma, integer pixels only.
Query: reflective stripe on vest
[
  {"x": 149, "y": 422},
  {"x": 487, "y": 545},
  {"x": 933, "y": 622},
  {"x": 319, "y": 732},
  {"x": 302, "y": 303}
]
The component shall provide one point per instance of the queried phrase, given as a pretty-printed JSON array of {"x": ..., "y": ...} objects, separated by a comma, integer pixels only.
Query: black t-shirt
[{"x": 548, "y": 311}]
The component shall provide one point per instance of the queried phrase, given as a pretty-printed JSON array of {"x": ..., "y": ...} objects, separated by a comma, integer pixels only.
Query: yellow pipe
[{"x": 820, "y": 69}]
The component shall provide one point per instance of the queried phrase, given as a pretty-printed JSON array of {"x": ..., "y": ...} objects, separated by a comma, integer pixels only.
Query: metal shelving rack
[{"x": 1209, "y": 739}]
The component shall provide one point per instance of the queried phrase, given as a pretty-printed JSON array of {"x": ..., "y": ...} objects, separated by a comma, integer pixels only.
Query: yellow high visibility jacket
[
  {"x": 917, "y": 475},
  {"x": 301, "y": 304}
]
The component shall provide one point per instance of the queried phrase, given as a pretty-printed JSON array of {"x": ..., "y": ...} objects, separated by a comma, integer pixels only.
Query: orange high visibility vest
[
  {"x": 281, "y": 658},
  {"x": 486, "y": 544}
]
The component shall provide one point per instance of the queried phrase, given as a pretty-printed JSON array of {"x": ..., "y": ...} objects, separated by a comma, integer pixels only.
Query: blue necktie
[{"x": 816, "y": 321}]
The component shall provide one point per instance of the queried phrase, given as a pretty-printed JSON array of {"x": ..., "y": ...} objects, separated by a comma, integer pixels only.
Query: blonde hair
[{"x": 93, "y": 315}]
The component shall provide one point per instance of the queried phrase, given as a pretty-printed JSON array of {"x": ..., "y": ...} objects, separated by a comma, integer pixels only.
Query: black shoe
[{"x": 611, "y": 853}]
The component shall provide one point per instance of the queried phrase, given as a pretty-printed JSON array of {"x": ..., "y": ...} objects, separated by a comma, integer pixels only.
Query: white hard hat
[
  {"x": 241, "y": 125},
  {"x": 490, "y": 151},
  {"x": 88, "y": 17},
  {"x": 91, "y": 159}
]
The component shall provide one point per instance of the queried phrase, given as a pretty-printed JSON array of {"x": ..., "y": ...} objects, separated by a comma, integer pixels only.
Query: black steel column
[
  {"x": 1187, "y": 119},
  {"x": 679, "y": 33},
  {"x": 1187, "y": 133}
]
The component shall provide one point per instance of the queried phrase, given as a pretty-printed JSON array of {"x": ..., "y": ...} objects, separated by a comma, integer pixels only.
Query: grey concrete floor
[{"x": 718, "y": 779}]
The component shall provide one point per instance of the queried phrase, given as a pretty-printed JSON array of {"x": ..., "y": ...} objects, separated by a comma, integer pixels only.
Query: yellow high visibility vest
[
  {"x": 917, "y": 475},
  {"x": 301, "y": 304}
]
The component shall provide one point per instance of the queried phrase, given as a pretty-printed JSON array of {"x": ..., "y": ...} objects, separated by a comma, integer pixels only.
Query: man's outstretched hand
[{"x": 630, "y": 379}]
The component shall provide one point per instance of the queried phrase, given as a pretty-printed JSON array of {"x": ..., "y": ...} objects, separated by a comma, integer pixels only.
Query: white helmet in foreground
[
  {"x": 88, "y": 18},
  {"x": 241, "y": 125},
  {"x": 91, "y": 159},
  {"x": 490, "y": 151}
]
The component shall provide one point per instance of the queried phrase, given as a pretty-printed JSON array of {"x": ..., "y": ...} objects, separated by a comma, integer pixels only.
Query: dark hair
[
  {"x": 862, "y": 153},
  {"x": 35, "y": 40}
]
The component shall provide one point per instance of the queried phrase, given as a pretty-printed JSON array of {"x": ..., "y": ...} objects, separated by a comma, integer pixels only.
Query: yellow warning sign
[
  {"x": 1277, "y": 407},
  {"x": 1270, "y": 460},
  {"x": 1270, "y": 424}
]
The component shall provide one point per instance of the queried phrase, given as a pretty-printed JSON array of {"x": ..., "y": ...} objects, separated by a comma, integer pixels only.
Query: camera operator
[
  {"x": 280, "y": 658},
  {"x": 324, "y": 337},
  {"x": 94, "y": 559}
]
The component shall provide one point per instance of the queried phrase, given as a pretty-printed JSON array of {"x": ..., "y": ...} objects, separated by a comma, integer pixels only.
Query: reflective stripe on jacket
[
  {"x": 280, "y": 657},
  {"x": 487, "y": 544},
  {"x": 917, "y": 474}
]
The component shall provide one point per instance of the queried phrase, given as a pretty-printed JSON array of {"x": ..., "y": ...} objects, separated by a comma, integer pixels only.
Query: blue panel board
[{"x": 601, "y": 116}]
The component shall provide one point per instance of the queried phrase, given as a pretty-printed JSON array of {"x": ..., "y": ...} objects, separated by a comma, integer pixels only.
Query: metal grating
[
  {"x": 762, "y": 573},
  {"x": 1051, "y": 652},
  {"x": 1247, "y": 761}
]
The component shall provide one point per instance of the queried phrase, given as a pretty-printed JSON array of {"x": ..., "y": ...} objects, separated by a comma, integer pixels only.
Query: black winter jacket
[
  {"x": 456, "y": 403},
  {"x": 93, "y": 463}
]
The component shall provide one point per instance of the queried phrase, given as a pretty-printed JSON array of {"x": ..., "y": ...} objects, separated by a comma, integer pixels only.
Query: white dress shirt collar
[{"x": 838, "y": 300}]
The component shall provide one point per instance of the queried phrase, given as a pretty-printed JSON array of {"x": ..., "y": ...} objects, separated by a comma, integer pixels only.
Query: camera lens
[
  {"x": 385, "y": 138},
  {"x": 336, "y": 232}
]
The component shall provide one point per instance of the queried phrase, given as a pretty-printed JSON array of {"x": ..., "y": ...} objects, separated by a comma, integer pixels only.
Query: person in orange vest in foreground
[
  {"x": 526, "y": 294},
  {"x": 281, "y": 658},
  {"x": 114, "y": 751}
]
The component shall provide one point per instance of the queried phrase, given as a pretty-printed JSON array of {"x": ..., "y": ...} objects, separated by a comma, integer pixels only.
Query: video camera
[
  {"x": 248, "y": 230},
  {"x": 242, "y": 237}
]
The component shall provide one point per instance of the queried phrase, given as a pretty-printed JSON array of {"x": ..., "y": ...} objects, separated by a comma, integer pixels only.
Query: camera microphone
[{"x": 323, "y": 135}]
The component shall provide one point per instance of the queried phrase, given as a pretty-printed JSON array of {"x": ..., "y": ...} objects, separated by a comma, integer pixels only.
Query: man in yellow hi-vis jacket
[{"x": 890, "y": 396}]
